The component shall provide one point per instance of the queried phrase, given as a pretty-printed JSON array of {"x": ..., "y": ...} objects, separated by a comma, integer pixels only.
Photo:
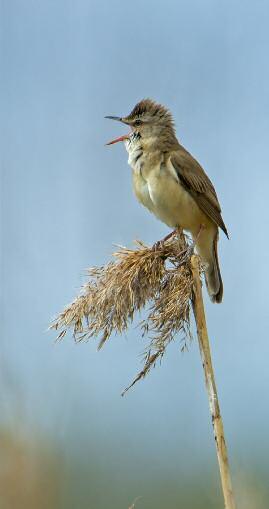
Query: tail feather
[{"x": 213, "y": 276}]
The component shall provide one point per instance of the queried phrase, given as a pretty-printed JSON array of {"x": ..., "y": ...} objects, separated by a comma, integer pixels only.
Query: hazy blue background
[{"x": 66, "y": 198}]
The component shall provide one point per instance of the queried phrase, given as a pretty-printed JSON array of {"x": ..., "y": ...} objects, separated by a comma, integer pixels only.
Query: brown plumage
[
  {"x": 197, "y": 183},
  {"x": 172, "y": 184}
]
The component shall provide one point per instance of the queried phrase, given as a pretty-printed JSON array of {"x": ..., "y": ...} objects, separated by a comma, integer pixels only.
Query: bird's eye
[{"x": 138, "y": 122}]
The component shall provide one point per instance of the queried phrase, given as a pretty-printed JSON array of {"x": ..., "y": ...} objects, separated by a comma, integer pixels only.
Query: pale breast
[
  {"x": 141, "y": 191},
  {"x": 140, "y": 185},
  {"x": 157, "y": 187}
]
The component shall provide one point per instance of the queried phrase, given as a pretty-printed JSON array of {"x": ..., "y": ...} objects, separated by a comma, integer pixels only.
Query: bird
[{"x": 172, "y": 185}]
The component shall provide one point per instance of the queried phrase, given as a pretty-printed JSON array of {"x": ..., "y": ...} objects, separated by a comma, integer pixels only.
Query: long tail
[{"x": 213, "y": 276}]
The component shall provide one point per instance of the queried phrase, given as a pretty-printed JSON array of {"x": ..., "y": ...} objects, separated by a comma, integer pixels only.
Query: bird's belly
[
  {"x": 173, "y": 205},
  {"x": 169, "y": 201}
]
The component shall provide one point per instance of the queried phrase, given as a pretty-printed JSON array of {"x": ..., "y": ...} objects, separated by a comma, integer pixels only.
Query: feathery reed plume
[
  {"x": 167, "y": 279},
  {"x": 159, "y": 278}
]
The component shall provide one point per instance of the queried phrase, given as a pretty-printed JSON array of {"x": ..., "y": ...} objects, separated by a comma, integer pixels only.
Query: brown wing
[{"x": 197, "y": 183}]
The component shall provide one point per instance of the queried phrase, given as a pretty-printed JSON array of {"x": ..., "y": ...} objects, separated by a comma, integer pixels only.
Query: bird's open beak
[{"x": 121, "y": 138}]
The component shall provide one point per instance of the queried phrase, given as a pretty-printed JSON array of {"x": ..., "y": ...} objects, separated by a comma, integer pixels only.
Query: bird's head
[{"x": 149, "y": 121}]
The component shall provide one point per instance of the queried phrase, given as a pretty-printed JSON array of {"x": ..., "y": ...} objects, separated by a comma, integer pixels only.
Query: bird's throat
[{"x": 134, "y": 148}]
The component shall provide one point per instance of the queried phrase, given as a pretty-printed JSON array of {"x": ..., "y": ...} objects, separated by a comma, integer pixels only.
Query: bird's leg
[
  {"x": 201, "y": 228},
  {"x": 192, "y": 246},
  {"x": 188, "y": 252},
  {"x": 159, "y": 244}
]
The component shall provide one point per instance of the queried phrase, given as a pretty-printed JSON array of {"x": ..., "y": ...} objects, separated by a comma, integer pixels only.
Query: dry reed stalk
[
  {"x": 199, "y": 314},
  {"x": 166, "y": 281}
]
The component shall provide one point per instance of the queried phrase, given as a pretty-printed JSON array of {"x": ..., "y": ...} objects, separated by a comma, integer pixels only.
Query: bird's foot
[
  {"x": 187, "y": 253},
  {"x": 160, "y": 243}
]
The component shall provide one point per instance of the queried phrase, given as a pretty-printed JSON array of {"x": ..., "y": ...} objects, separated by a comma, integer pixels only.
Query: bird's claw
[
  {"x": 158, "y": 245},
  {"x": 190, "y": 250},
  {"x": 187, "y": 253}
]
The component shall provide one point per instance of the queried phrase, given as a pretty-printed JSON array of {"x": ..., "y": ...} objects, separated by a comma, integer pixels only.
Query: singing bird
[{"x": 169, "y": 182}]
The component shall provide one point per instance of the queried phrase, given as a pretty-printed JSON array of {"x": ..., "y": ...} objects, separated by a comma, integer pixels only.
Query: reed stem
[{"x": 199, "y": 314}]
